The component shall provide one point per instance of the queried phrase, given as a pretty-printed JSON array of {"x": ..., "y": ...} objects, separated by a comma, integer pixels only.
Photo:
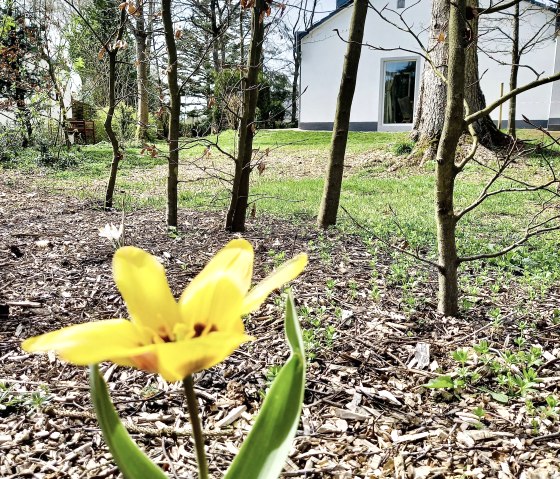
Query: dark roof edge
[
  {"x": 550, "y": 8},
  {"x": 328, "y": 17}
]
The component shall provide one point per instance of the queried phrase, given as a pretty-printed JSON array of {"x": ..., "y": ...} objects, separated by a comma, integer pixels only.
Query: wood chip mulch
[{"x": 366, "y": 413}]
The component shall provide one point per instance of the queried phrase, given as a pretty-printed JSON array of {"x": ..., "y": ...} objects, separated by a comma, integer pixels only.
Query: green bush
[
  {"x": 274, "y": 93},
  {"x": 124, "y": 124},
  {"x": 197, "y": 127},
  {"x": 10, "y": 144},
  {"x": 58, "y": 158}
]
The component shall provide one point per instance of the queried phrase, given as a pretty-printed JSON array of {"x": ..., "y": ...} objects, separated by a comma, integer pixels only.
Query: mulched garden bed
[{"x": 366, "y": 412}]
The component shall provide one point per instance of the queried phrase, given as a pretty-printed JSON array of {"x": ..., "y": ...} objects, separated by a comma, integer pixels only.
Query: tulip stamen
[{"x": 201, "y": 329}]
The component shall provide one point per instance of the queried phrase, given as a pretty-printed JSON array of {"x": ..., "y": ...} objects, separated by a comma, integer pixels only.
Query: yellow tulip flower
[{"x": 172, "y": 338}]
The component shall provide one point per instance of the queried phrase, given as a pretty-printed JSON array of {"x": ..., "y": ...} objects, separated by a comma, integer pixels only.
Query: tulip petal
[
  {"x": 280, "y": 276},
  {"x": 175, "y": 361},
  {"x": 89, "y": 343},
  {"x": 234, "y": 259},
  {"x": 141, "y": 280},
  {"x": 215, "y": 305}
]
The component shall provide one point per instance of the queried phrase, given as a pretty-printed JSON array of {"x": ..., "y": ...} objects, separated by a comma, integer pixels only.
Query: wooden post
[{"x": 501, "y": 105}]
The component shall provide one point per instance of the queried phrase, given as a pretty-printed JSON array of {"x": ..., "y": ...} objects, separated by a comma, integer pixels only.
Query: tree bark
[
  {"x": 446, "y": 171},
  {"x": 140, "y": 35},
  {"x": 295, "y": 81},
  {"x": 305, "y": 15},
  {"x": 335, "y": 169},
  {"x": 215, "y": 36},
  {"x": 430, "y": 110},
  {"x": 237, "y": 212},
  {"x": 241, "y": 38},
  {"x": 515, "y": 58},
  {"x": 24, "y": 118},
  {"x": 488, "y": 133},
  {"x": 117, "y": 153},
  {"x": 174, "y": 114}
]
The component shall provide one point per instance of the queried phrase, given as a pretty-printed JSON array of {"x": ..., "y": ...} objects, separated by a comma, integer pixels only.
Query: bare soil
[{"x": 366, "y": 413}]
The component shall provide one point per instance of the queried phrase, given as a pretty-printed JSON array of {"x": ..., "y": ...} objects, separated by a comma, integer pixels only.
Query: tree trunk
[
  {"x": 24, "y": 118},
  {"x": 174, "y": 114},
  {"x": 241, "y": 38},
  {"x": 430, "y": 110},
  {"x": 215, "y": 36},
  {"x": 488, "y": 133},
  {"x": 216, "y": 125},
  {"x": 513, "y": 74},
  {"x": 117, "y": 153},
  {"x": 140, "y": 35},
  {"x": 333, "y": 181},
  {"x": 60, "y": 98},
  {"x": 446, "y": 171},
  {"x": 295, "y": 81},
  {"x": 150, "y": 35},
  {"x": 237, "y": 212}
]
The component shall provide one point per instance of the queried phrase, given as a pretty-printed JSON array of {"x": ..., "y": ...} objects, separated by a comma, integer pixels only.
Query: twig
[
  {"x": 547, "y": 437},
  {"x": 24, "y": 304},
  {"x": 146, "y": 431},
  {"x": 169, "y": 461}
]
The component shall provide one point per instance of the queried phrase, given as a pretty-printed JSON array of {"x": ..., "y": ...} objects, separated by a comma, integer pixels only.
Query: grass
[
  {"x": 300, "y": 141},
  {"x": 93, "y": 161},
  {"x": 397, "y": 206}
]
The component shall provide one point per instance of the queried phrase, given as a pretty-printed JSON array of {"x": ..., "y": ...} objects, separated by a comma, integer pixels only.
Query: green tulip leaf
[
  {"x": 264, "y": 452},
  {"x": 130, "y": 460},
  {"x": 441, "y": 382}
]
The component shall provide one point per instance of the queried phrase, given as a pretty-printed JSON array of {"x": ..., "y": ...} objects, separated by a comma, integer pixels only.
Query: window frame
[{"x": 382, "y": 126}]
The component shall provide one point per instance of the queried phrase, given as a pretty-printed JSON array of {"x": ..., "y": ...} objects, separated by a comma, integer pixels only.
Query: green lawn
[
  {"x": 395, "y": 205},
  {"x": 300, "y": 141}
]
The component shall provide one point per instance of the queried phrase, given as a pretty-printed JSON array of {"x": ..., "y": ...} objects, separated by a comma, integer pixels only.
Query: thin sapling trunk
[
  {"x": 446, "y": 171},
  {"x": 335, "y": 169},
  {"x": 112, "y": 52},
  {"x": 515, "y": 57},
  {"x": 237, "y": 212},
  {"x": 141, "y": 38},
  {"x": 174, "y": 114}
]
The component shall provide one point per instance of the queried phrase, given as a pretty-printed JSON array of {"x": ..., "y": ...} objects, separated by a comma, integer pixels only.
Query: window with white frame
[{"x": 399, "y": 89}]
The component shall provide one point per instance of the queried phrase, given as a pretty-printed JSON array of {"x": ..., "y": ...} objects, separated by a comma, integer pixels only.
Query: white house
[{"x": 389, "y": 80}]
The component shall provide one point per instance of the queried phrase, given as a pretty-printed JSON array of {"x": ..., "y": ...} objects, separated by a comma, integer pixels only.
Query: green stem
[{"x": 192, "y": 404}]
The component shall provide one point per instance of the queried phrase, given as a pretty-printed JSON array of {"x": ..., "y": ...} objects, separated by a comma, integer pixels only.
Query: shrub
[
  {"x": 10, "y": 143},
  {"x": 402, "y": 148},
  {"x": 124, "y": 124}
]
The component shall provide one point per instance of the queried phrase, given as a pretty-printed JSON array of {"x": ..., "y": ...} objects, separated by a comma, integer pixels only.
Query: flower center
[{"x": 200, "y": 328}]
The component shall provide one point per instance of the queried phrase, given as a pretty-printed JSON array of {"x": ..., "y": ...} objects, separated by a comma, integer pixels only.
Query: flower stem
[{"x": 196, "y": 425}]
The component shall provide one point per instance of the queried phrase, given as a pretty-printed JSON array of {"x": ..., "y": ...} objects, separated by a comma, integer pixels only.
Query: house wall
[
  {"x": 50, "y": 108},
  {"x": 554, "y": 115},
  {"x": 323, "y": 54},
  {"x": 494, "y": 48}
]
